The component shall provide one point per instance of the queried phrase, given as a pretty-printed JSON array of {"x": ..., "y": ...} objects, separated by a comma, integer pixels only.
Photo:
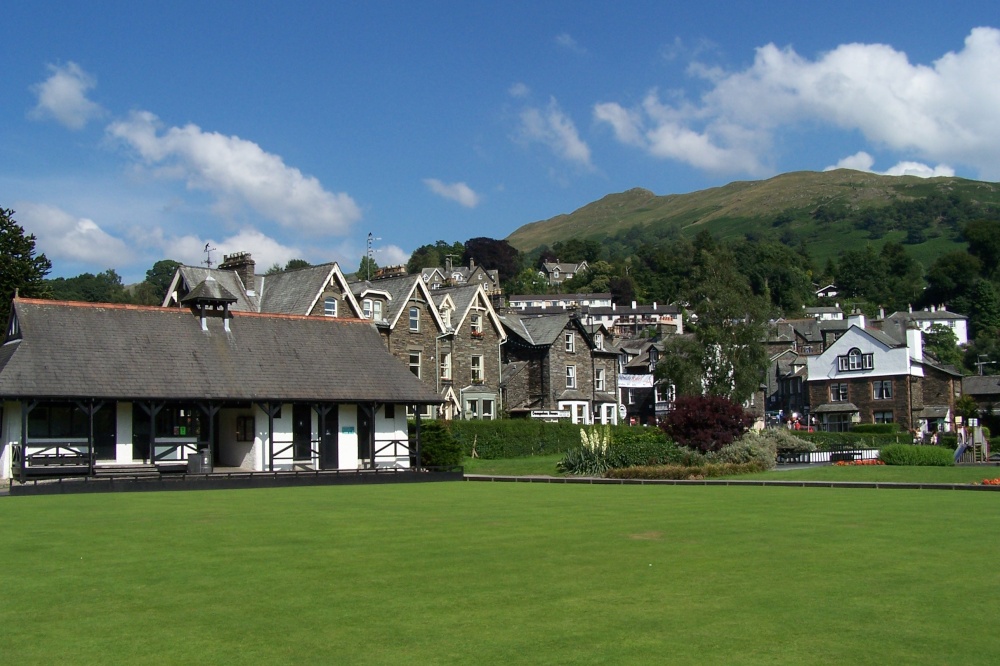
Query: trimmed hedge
[
  {"x": 518, "y": 438},
  {"x": 925, "y": 456},
  {"x": 876, "y": 428},
  {"x": 515, "y": 438},
  {"x": 835, "y": 441},
  {"x": 682, "y": 472}
]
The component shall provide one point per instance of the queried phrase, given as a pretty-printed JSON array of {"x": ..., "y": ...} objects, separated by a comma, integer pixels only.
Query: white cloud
[
  {"x": 65, "y": 237},
  {"x": 566, "y": 41},
  {"x": 518, "y": 90},
  {"x": 553, "y": 128},
  {"x": 63, "y": 96},
  {"x": 862, "y": 161},
  {"x": 944, "y": 112},
  {"x": 391, "y": 255},
  {"x": 237, "y": 172},
  {"x": 459, "y": 192},
  {"x": 190, "y": 249}
]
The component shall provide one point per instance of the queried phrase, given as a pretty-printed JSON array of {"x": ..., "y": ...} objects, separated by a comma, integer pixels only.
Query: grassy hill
[{"x": 787, "y": 204}]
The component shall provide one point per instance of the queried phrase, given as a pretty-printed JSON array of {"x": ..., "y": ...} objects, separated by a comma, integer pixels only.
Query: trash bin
[{"x": 200, "y": 462}]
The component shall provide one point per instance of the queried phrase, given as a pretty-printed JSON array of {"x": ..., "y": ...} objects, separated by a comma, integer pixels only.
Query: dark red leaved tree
[{"x": 706, "y": 422}]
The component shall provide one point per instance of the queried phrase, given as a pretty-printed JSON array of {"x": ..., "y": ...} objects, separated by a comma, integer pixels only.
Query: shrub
[
  {"x": 438, "y": 448},
  {"x": 682, "y": 472},
  {"x": 706, "y": 423},
  {"x": 750, "y": 448},
  {"x": 908, "y": 454},
  {"x": 785, "y": 440},
  {"x": 604, "y": 447}
]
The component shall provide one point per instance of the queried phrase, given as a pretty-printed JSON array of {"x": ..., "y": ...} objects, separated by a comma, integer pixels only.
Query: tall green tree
[
  {"x": 104, "y": 287},
  {"x": 20, "y": 269},
  {"x": 367, "y": 268},
  {"x": 729, "y": 322},
  {"x": 153, "y": 289}
]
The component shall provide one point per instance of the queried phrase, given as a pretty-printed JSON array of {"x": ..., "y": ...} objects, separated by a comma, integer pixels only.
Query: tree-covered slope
[{"x": 824, "y": 210}]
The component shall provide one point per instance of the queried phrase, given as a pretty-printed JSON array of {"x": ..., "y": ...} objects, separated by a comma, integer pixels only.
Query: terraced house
[{"x": 554, "y": 364}]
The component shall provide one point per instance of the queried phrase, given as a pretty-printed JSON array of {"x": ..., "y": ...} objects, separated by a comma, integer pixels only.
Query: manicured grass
[
  {"x": 502, "y": 572},
  {"x": 528, "y": 466},
  {"x": 882, "y": 473}
]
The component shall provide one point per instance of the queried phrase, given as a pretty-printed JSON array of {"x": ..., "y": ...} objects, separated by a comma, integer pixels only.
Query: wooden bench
[{"x": 50, "y": 464}]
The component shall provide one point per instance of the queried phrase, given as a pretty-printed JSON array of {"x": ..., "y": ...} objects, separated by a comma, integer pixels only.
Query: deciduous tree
[{"x": 20, "y": 268}]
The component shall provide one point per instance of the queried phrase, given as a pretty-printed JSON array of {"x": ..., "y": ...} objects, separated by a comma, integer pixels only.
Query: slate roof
[
  {"x": 538, "y": 330},
  {"x": 398, "y": 288},
  {"x": 292, "y": 292},
  {"x": 228, "y": 280},
  {"x": 86, "y": 350},
  {"x": 981, "y": 385}
]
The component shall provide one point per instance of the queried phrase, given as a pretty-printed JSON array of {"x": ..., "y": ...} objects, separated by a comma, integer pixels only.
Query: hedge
[
  {"x": 876, "y": 428},
  {"x": 833, "y": 441},
  {"x": 518, "y": 438},
  {"x": 908, "y": 454},
  {"x": 681, "y": 472}
]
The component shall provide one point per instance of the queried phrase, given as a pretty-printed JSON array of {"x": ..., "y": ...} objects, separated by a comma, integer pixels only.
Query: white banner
[{"x": 635, "y": 381}]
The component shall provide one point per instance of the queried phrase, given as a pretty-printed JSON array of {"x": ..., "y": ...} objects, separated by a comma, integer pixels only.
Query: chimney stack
[{"x": 243, "y": 265}]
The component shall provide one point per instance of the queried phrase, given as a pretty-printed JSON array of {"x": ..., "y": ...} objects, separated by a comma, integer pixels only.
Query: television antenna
[
  {"x": 371, "y": 252},
  {"x": 208, "y": 255},
  {"x": 980, "y": 363}
]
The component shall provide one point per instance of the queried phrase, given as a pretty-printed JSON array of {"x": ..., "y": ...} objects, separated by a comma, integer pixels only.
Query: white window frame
[
  {"x": 839, "y": 392},
  {"x": 599, "y": 340},
  {"x": 570, "y": 376},
  {"x": 446, "y": 365},
  {"x": 366, "y": 308},
  {"x": 488, "y": 410},
  {"x": 599, "y": 379},
  {"x": 376, "y": 310},
  {"x": 415, "y": 319},
  {"x": 476, "y": 365},
  {"x": 415, "y": 365},
  {"x": 569, "y": 340},
  {"x": 476, "y": 323},
  {"x": 330, "y": 307}
]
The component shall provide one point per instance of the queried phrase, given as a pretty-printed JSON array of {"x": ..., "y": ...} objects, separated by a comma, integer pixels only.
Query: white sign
[
  {"x": 549, "y": 414},
  {"x": 635, "y": 381}
]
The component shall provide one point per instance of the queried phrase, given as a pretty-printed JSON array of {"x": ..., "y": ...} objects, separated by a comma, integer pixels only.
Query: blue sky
[{"x": 132, "y": 132}]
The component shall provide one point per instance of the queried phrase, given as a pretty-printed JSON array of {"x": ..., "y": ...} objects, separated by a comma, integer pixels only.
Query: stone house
[
  {"x": 559, "y": 272},
  {"x": 313, "y": 291},
  {"x": 554, "y": 367},
  {"x": 407, "y": 319},
  {"x": 867, "y": 376},
  {"x": 468, "y": 353}
]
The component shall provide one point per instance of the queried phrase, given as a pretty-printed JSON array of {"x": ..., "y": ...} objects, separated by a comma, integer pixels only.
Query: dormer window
[
  {"x": 366, "y": 308},
  {"x": 855, "y": 360},
  {"x": 476, "y": 322},
  {"x": 330, "y": 307},
  {"x": 446, "y": 315},
  {"x": 14, "y": 331},
  {"x": 599, "y": 340}
]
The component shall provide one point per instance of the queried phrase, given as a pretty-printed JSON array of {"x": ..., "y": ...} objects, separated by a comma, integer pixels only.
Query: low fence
[{"x": 810, "y": 457}]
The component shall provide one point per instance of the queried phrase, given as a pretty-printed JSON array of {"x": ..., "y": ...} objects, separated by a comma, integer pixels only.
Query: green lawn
[
  {"x": 882, "y": 473},
  {"x": 502, "y": 573},
  {"x": 527, "y": 466}
]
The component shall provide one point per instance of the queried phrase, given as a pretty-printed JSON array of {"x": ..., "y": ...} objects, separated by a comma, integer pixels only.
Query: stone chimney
[
  {"x": 243, "y": 265},
  {"x": 915, "y": 342},
  {"x": 472, "y": 264},
  {"x": 856, "y": 318},
  {"x": 447, "y": 265}
]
